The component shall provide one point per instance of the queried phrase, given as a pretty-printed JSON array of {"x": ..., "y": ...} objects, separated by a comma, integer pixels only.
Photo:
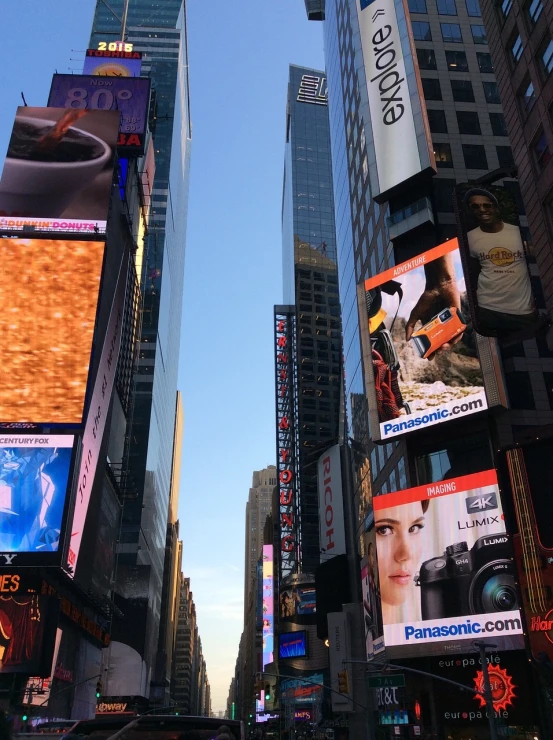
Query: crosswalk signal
[
  {"x": 343, "y": 682},
  {"x": 98, "y": 689}
]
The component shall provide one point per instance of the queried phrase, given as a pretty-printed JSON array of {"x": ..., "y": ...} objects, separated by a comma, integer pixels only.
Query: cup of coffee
[{"x": 38, "y": 182}]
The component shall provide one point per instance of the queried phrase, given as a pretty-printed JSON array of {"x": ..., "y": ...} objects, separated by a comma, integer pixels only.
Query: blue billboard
[{"x": 34, "y": 482}]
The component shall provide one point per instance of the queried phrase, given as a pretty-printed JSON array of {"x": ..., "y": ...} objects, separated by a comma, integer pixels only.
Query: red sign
[{"x": 503, "y": 688}]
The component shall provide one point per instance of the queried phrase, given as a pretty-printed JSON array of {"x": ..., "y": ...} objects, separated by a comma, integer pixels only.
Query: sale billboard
[
  {"x": 48, "y": 301},
  {"x": 128, "y": 95},
  {"x": 58, "y": 170},
  {"x": 419, "y": 341},
  {"x": 34, "y": 485},
  {"x": 496, "y": 255},
  {"x": 446, "y": 569}
]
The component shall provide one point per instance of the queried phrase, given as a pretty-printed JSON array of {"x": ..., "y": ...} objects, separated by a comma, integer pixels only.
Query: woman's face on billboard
[{"x": 399, "y": 545}]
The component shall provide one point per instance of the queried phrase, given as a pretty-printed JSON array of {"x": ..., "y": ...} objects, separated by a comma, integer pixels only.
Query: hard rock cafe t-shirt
[{"x": 503, "y": 282}]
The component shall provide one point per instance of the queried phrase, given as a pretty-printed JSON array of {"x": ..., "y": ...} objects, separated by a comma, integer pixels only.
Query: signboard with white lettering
[
  {"x": 331, "y": 506},
  {"x": 398, "y": 126}
]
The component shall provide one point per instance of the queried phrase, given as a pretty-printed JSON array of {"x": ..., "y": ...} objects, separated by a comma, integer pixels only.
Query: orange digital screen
[{"x": 48, "y": 301}]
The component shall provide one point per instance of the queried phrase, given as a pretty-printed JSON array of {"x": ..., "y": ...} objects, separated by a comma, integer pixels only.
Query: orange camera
[{"x": 444, "y": 327}]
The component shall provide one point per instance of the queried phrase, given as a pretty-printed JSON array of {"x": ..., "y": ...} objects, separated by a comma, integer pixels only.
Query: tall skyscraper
[
  {"x": 310, "y": 279},
  {"x": 415, "y": 110},
  {"x": 258, "y": 509},
  {"x": 159, "y": 32}
]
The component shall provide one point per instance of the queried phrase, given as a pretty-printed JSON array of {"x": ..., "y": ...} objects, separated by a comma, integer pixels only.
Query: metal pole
[
  {"x": 487, "y": 689},
  {"x": 124, "y": 19}
]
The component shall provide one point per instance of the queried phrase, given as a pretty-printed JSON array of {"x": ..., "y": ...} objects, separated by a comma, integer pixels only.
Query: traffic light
[
  {"x": 267, "y": 689},
  {"x": 98, "y": 689},
  {"x": 343, "y": 682},
  {"x": 25, "y": 718}
]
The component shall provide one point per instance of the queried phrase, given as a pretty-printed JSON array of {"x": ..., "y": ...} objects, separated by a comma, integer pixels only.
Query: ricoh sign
[
  {"x": 331, "y": 508},
  {"x": 394, "y": 132}
]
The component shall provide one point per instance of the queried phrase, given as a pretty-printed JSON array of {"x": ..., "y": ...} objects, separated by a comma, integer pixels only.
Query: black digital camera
[{"x": 476, "y": 581}]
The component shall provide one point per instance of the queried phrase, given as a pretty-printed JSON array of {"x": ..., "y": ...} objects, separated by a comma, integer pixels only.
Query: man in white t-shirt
[{"x": 504, "y": 292}]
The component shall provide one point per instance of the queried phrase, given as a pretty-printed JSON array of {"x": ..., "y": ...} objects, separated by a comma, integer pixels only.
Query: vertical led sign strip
[{"x": 268, "y": 608}]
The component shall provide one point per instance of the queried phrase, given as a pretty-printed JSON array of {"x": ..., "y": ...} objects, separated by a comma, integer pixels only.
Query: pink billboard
[{"x": 268, "y": 611}]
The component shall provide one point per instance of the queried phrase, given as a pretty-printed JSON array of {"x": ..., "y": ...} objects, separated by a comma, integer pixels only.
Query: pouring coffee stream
[{"x": 53, "y": 137}]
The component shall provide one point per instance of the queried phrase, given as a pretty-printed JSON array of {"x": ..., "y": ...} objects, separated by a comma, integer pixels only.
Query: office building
[
  {"x": 390, "y": 212},
  {"x": 310, "y": 288},
  {"x": 159, "y": 33},
  {"x": 520, "y": 35},
  {"x": 258, "y": 508}
]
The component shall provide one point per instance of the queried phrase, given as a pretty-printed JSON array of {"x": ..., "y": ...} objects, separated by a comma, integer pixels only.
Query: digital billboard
[
  {"x": 58, "y": 170},
  {"x": 48, "y": 301},
  {"x": 425, "y": 368},
  {"x": 292, "y": 644},
  {"x": 34, "y": 483},
  {"x": 27, "y": 634},
  {"x": 372, "y": 606},
  {"x": 297, "y": 601},
  {"x": 496, "y": 257},
  {"x": 331, "y": 506},
  {"x": 112, "y": 63},
  {"x": 268, "y": 609},
  {"x": 446, "y": 569},
  {"x": 398, "y": 129},
  {"x": 128, "y": 95},
  {"x": 307, "y": 690}
]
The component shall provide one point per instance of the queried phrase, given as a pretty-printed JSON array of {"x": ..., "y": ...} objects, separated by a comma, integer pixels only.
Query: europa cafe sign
[{"x": 286, "y": 460}]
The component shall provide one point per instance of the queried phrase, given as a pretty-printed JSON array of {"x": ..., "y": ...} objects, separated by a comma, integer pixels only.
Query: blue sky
[{"x": 239, "y": 55}]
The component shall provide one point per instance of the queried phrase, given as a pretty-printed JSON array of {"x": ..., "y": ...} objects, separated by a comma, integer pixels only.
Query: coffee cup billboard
[
  {"x": 425, "y": 369},
  {"x": 58, "y": 170},
  {"x": 495, "y": 255},
  {"x": 446, "y": 569}
]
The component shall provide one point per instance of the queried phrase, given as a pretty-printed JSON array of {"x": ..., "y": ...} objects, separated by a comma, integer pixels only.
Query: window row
[
  {"x": 446, "y": 7},
  {"x": 474, "y": 156},
  {"x": 468, "y": 122},
  {"x": 544, "y": 54},
  {"x": 461, "y": 90},
  {"x": 456, "y": 61},
  {"x": 532, "y": 10},
  {"x": 451, "y": 32}
]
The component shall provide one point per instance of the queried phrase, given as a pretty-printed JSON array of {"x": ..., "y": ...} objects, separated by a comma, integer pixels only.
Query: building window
[
  {"x": 546, "y": 56},
  {"x": 437, "y": 121},
  {"x": 499, "y": 127},
  {"x": 506, "y": 6},
  {"x": 462, "y": 91},
  {"x": 475, "y": 157},
  {"x": 431, "y": 89},
  {"x": 443, "y": 194},
  {"x": 451, "y": 33},
  {"x": 533, "y": 10},
  {"x": 491, "y": 93},
  {"x": 421, "y": 31},
  {"x": 446, "y": 7},
  {"x": 527, "y": 96},
  {"x": 468, "y": 122},
  {"x": 417, "y": 6},
  {"x": 456, "y": 61},
  {"x": 485, "y": 63},
  {"x": 442, "y": 152},
  {"x": 516, "y": 48},
  {"x": 505, "y": 157},
  {"x": 473, "y": 8},
  {"x": 426, "y": 59},
  {"x": 541, "y": 149},
  {"x": 479, "y": 34}
]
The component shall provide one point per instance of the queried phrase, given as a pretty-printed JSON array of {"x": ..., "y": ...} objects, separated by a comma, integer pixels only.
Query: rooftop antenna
[
  {"x": 124, "y": 19},
  {"x": 24, "y": 101}
]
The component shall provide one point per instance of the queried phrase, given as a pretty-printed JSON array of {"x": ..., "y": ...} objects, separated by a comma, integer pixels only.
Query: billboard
[
  {"x": 268, "y": 608},
  {"x": 112, "y": 63},
  {"x": 446, "y": 569},
  {"x": 297, "y": 600},
  {"x": 130, "y": 96},
  {"x": 34, "y": 485},
  {"x": 496, "y": 260},
  {"x": 58, "y": 170},
  {"x": 332, "y": 535},
  {"x": 27, "y": 634},
  {"x": 97, "y": 416},
  {"x": 48, "y": 301},
  {"x": 292, "y": 644},
  {"x": 416, "y": 334},
  {"x": 372, "y": 605},
  {"x": 399, "y": 129},
  {"x": 306, "y": 690}
]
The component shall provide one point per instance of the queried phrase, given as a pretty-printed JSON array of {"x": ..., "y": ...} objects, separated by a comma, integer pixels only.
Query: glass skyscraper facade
[
  {"x": 311, "y": 285},
  {"x": 158, "y": 30}
]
